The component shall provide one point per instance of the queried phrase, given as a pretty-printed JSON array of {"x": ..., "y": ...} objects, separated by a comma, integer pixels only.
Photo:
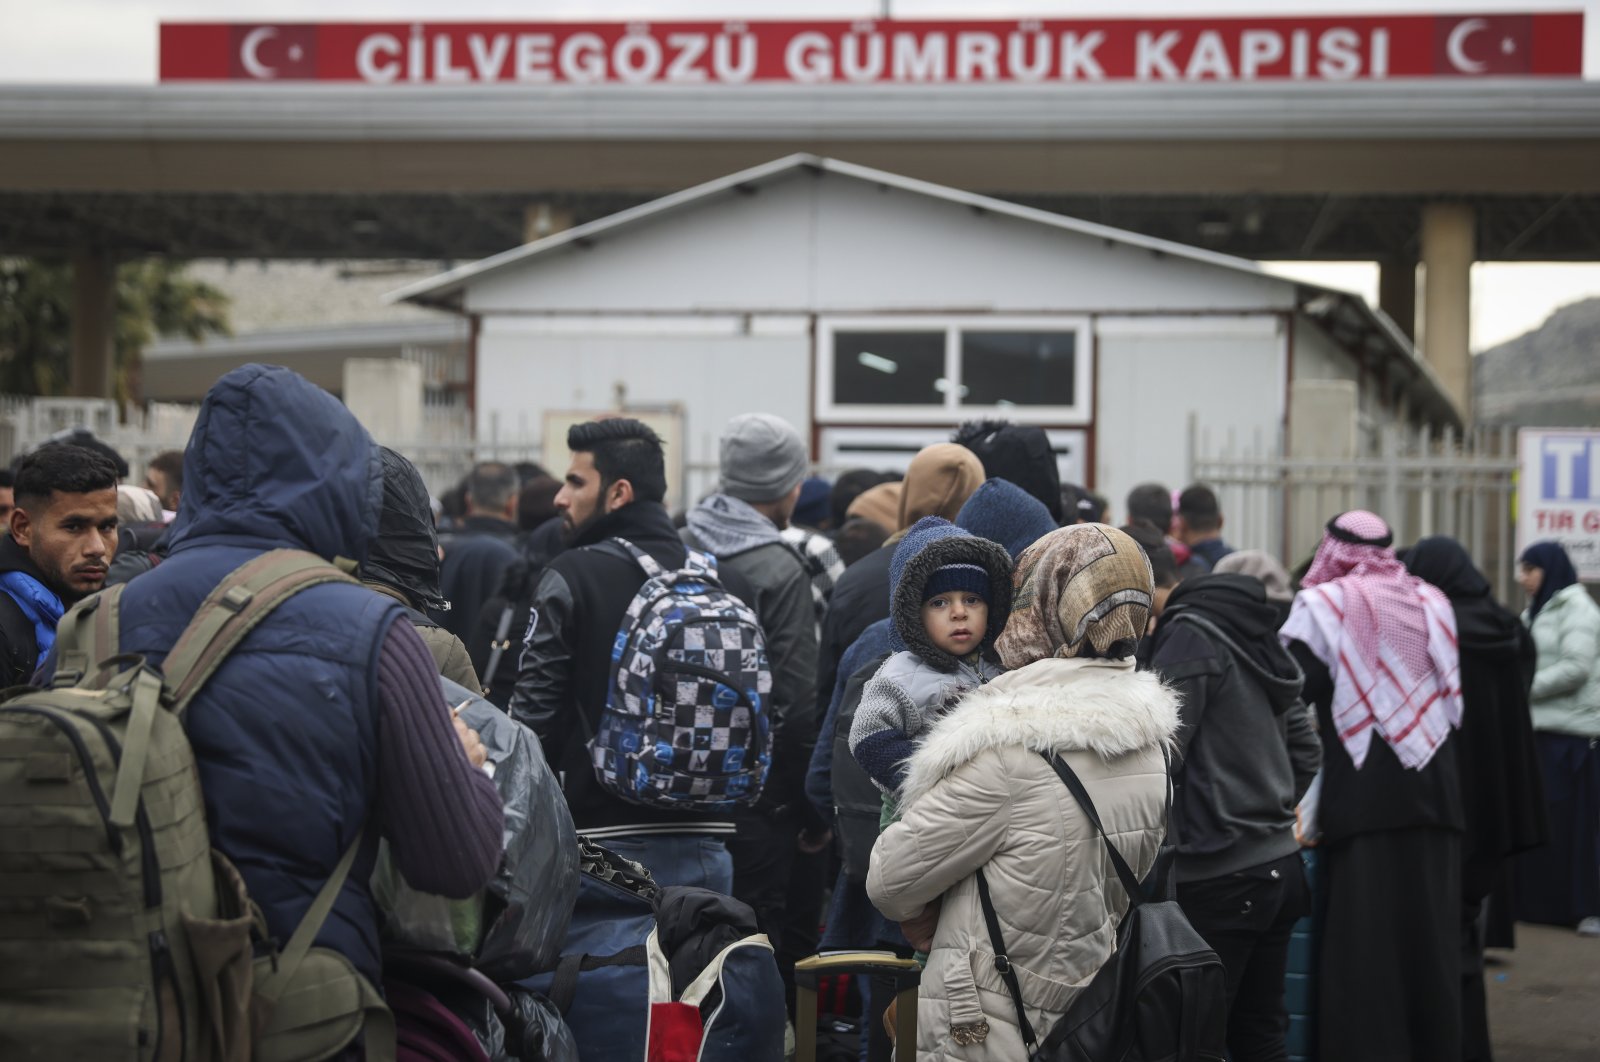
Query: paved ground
[{"x": 1544, "y": 997}]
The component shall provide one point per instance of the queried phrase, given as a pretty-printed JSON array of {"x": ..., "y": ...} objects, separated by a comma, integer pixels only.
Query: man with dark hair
[
  {"x": 8, "y": 500},
  {"x": 1200, "y": 523},
  {"x": 614, "y": 489},
  {"x": 164, "y": 475},
  {"x": 846, "y": 489},
  {"x": 483, "y": 547},
  {"x": 1151, "y": 503},
  {"x": 1019, "y": 454},
  {"x": 63, "y": 536}
]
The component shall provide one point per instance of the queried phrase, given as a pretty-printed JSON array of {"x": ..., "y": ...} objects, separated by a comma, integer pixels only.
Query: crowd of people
[{"x": 937, "y": 642}]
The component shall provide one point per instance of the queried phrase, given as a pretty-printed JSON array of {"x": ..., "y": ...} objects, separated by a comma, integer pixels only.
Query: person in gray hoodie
[
  {"x": 763, "y": 463},
  {"x": 1246, "y": 753}
]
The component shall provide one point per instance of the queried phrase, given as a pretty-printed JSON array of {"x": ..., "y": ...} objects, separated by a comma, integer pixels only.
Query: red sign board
[{"x": 1363, "y": 48}]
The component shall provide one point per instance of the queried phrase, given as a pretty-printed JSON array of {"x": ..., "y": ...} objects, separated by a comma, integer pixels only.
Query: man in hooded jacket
[
  {"x": 1246, "y": 753},
  {"x": 327, "y": 724},
  {"x": 403, "y": 563}
]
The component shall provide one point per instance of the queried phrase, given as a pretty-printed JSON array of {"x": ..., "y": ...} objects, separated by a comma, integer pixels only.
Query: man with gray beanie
[{"x": 763, "y": 463}]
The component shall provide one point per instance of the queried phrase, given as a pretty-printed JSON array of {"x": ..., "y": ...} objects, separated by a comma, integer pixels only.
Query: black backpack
[{"x": 1162, "y": 994}]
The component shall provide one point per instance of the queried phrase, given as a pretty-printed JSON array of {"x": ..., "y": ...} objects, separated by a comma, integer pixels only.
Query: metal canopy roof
[{"x": 1518, "y": 109}]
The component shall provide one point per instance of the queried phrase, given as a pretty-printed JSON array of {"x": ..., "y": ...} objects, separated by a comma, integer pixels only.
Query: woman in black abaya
[{"x": 1502, "y": 799}]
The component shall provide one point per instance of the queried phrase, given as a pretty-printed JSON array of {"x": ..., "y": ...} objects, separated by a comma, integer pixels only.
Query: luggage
[
  {"x": 809, "y": 972},
  {"x": 686, "y": 720},
  {"x": 1162, "y": 993},
  {"x": 515, "y": 927},
  {"x": 657, "y": 975},
  {"x": 123, "y": 934}
]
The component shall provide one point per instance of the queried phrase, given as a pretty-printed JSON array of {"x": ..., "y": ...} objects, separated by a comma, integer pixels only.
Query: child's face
[{"x": 957, "y": 622}]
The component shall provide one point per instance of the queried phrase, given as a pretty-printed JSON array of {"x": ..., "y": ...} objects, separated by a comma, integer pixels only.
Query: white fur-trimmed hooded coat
[{"x": 978, "y": 794}]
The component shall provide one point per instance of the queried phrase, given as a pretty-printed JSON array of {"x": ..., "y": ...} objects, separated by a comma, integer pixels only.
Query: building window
[
  {"x": 888, "y": 368},
  {"x": 898, "y": 369}
]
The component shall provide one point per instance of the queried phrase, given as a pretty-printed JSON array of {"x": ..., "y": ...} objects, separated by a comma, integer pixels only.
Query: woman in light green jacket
[{"x": 1560, "y": 883}]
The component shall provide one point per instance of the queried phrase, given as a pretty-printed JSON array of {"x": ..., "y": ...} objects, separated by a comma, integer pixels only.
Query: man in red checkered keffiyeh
[{"x": 1387, "y": 638}]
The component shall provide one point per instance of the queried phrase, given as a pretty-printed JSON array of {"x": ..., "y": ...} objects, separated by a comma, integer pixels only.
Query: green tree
[{"x": 154, "y": 297}]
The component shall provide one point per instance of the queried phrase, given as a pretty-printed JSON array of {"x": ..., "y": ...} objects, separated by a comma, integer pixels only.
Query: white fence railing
[
  {"x": 1423, "y": 482},
  {"x": 139, "y": 435}
]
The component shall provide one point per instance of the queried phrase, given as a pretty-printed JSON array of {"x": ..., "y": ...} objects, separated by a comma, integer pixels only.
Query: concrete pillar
[
  {"x": 1397, "y": 291},
  {"x": 1448, "y": 247},
  {"x": 93, "y": 331}
]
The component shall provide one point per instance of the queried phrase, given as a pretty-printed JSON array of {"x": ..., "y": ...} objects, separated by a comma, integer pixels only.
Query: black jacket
[
  {"x": 19, "y": 648},
  {"x": 475, "y": 563},
  {"x": 860, "y": 599},
  {"x": 1246, "y": 748},
  {"x": 1502, "y": 794},
  {"x": 578, "y": 606},
  {"x": 1382, "y": 795}
]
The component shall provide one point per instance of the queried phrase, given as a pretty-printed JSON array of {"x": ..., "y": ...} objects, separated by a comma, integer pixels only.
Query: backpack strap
[
  {"x": 652, "y": 570},
  {"x": 233, "y": 609},
  {"x": 1002, "y": 965},
  {"x": 377, "y": 1024},
  {"x": 86, "y": 638},
  {"x": 500, "y": 644},
  {"x": 1125, "y": 874}
]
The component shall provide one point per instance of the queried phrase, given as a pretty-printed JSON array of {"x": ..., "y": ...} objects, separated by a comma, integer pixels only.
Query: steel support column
[
  {"x": 1448, "y": 248},
  {"x": 94, "y": 289}
]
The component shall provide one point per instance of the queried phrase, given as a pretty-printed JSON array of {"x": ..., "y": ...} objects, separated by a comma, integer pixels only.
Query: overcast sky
[{"x": 100, "y": 41}]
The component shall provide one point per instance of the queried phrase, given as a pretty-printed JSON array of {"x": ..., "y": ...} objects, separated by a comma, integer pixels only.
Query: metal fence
[
  {"x": 1422, "y": 481},
  {"x": 140, "y": 434}
]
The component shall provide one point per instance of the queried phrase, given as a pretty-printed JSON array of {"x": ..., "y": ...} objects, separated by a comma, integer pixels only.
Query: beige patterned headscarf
[{"x": 1087, "y": 584}]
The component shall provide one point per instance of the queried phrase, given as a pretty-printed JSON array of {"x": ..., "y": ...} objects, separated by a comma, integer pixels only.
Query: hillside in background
[{"x": 1549, "y": 377}]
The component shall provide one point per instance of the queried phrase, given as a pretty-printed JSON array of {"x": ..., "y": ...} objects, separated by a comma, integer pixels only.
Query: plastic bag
[{"x": 516, "y": 925}]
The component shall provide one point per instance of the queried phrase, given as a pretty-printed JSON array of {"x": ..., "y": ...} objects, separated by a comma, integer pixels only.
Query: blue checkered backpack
[{"x": 685, "y": 724}]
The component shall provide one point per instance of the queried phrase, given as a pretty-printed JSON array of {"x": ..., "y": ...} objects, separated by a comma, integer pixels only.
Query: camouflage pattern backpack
[{"x": 123, "y": 933}]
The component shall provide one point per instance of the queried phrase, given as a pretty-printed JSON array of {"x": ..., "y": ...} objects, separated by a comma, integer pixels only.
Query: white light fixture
[
  {"x": 943, "y": 386},
  {"x": 878, "y": 362}
]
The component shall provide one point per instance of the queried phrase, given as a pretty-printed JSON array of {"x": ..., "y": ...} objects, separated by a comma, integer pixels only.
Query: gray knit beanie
[{"x": 763, "y": 457}]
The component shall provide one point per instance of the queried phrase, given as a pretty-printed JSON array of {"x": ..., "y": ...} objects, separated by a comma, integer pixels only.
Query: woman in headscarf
[
  {"x": 1502, "y": 800},
  {"x": 1378, "y": 648},
  {"x": 979, "y": 796},
  {"x": 1560, "y": 883}
]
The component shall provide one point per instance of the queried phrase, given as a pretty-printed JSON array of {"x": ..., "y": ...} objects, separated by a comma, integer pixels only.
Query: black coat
[
  {"x": 860, "y": 599},
  {"x": 564, "y": 666},
  {"x": 1502, "y": 793}
]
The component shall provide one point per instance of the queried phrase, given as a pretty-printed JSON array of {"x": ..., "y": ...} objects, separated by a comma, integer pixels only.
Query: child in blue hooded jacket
[{"x": 949, "y": 598}]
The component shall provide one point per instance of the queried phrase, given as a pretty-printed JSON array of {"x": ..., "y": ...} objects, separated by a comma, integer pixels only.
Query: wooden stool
[{"x": 907, "y": 976}]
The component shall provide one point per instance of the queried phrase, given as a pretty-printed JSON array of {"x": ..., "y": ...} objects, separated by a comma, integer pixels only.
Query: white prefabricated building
[{"x": 876, "y": 313}]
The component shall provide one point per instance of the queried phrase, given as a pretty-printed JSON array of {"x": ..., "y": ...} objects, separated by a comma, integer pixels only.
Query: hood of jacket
[
  {"x": 1019, "y": 453},
  {"x": 1052, "y": 705},
  {"x": 928, "y": 546},
  {"x": 1003, "y": 512},
  {"x": 726, "y": 526},
  {"x": 405, "y": 555},
  {"x": 1235, "y": 608},
  {"x": 275, "y": 461},
  {"x": 938, "y": 482},
  {"x": 1482, "y": 624}
]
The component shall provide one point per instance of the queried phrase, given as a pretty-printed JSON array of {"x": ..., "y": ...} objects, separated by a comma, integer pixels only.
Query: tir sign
[{"x": 1569, "y": 468}]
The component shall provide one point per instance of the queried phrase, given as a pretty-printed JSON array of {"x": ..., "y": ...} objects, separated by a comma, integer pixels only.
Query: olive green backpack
[{"x": 123, "y": 934}]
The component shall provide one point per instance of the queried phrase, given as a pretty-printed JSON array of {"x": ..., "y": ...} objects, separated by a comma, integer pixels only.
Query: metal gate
[{"x": 1422, "y": 481}]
